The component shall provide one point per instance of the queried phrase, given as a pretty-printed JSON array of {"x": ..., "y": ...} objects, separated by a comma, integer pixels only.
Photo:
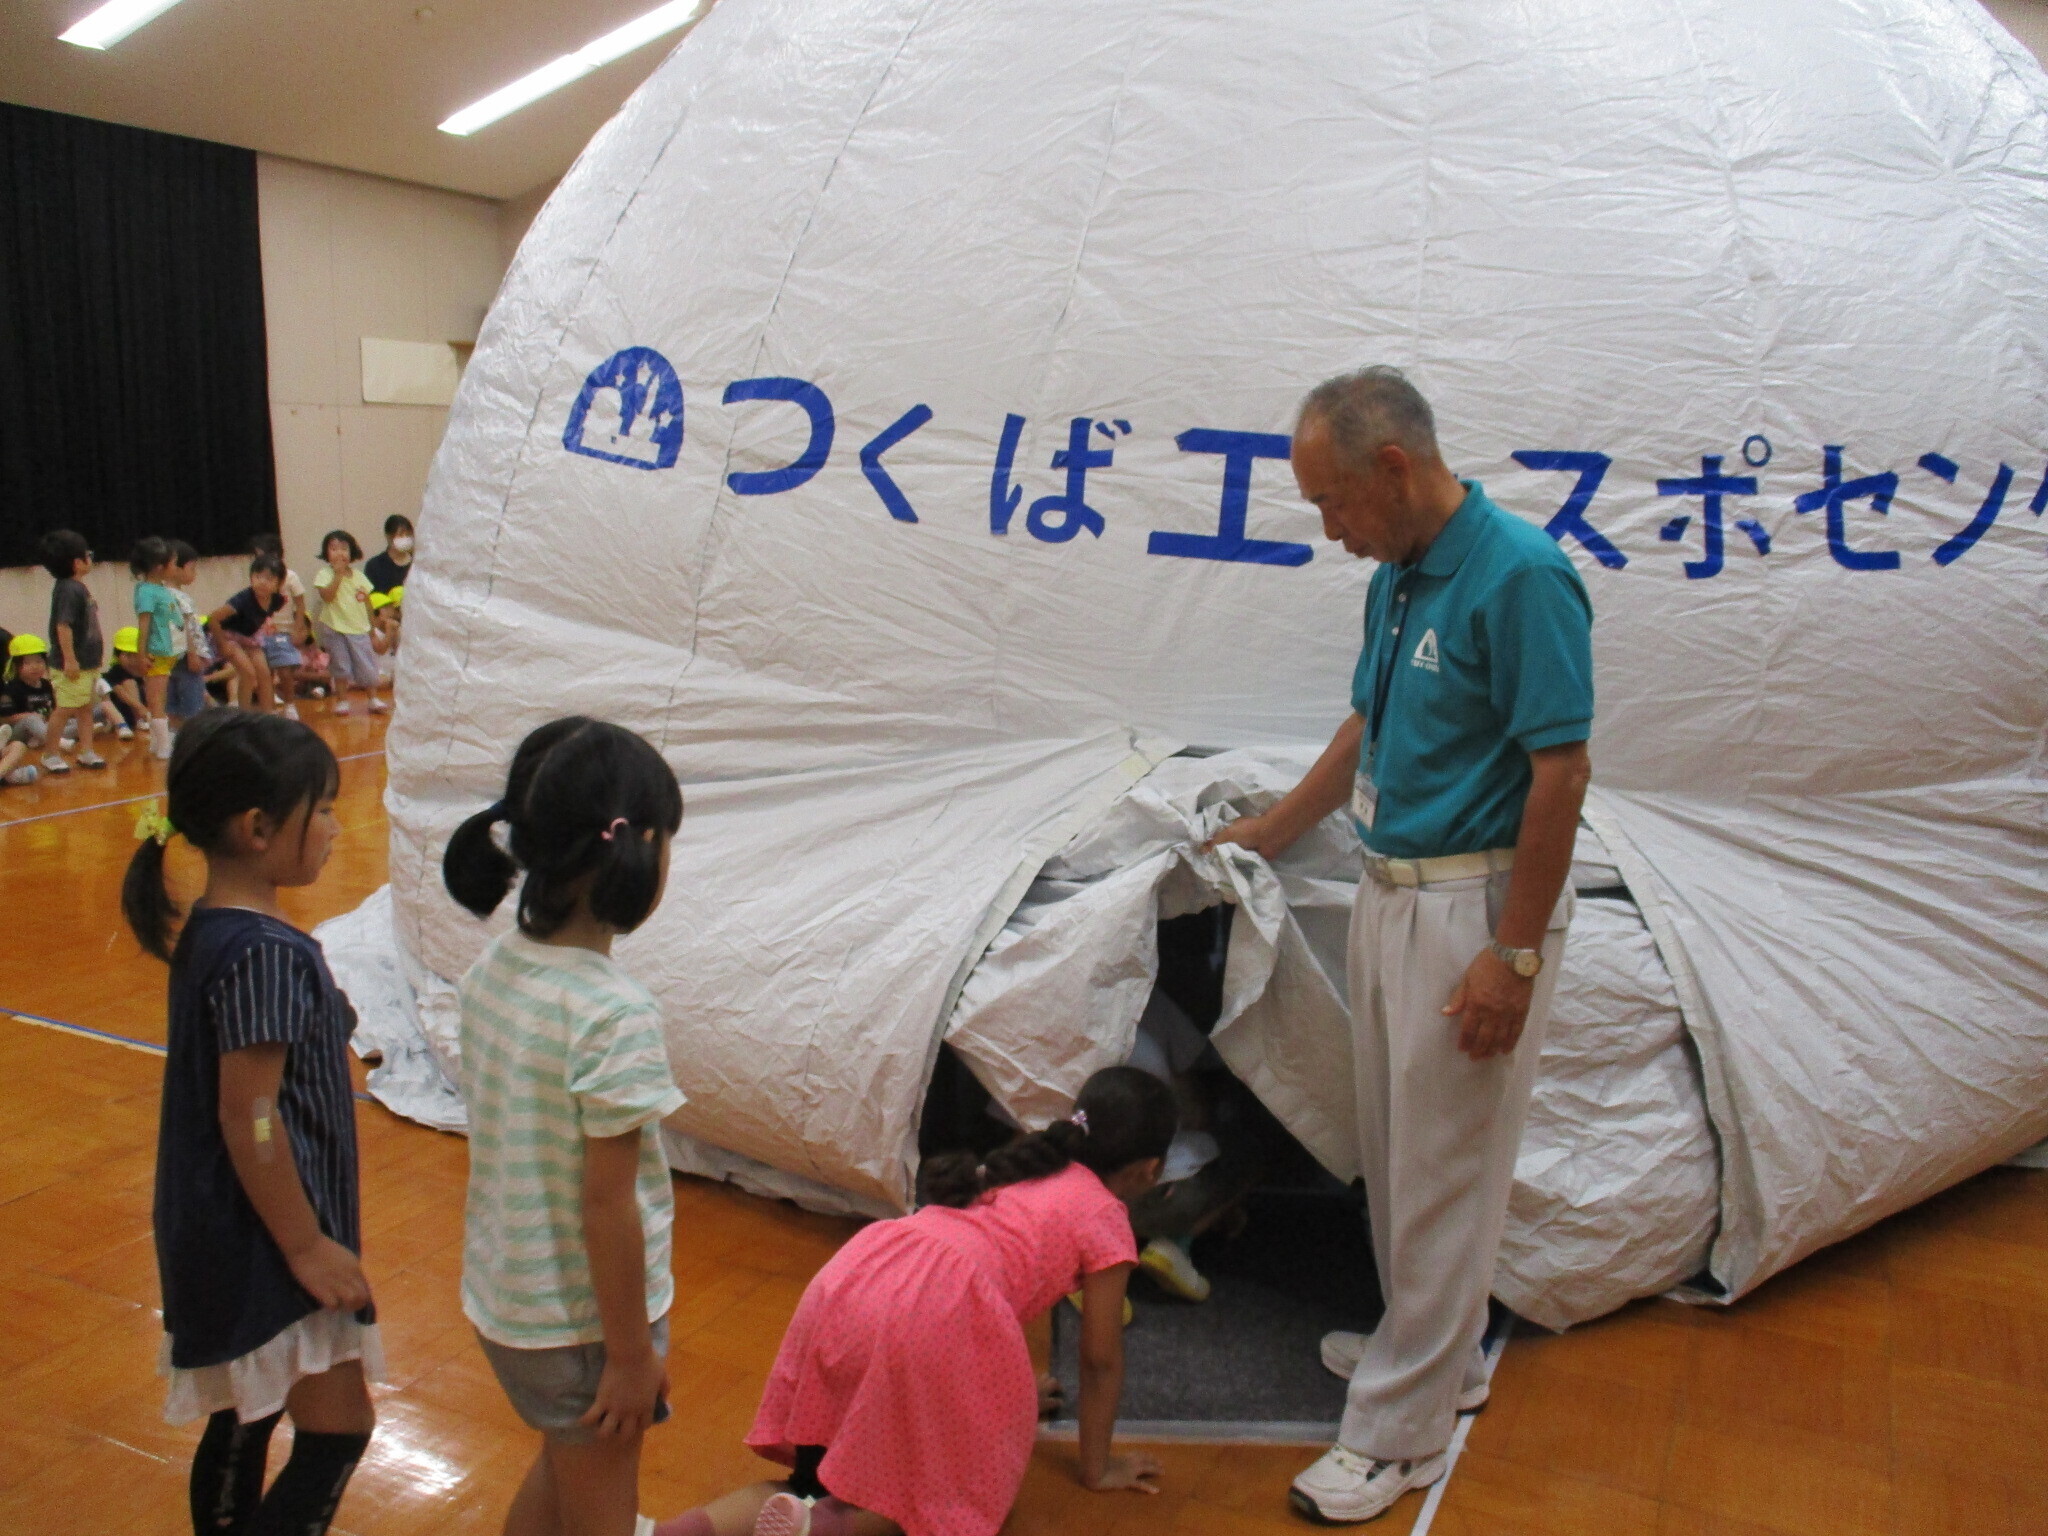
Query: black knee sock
[
  {"x": 227, "y": 1473},
  {"x": 303, "y": 1499}
]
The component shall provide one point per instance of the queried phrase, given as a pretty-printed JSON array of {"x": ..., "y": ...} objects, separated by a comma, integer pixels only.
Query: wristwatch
[{"x": 1523, "y": 962}]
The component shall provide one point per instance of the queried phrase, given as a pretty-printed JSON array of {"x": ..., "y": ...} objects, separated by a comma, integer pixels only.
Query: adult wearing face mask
[{"x": 390, "y": 567}]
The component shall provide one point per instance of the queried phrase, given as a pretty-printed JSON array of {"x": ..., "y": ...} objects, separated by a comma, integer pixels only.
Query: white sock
[{"x": 160, "y": 737}]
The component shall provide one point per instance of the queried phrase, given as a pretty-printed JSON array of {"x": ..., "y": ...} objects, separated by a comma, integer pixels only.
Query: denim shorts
[
  {"x": 551, "y": 1389},
  {"x": 186, "y": 695},
  {"x": 280, "y": 652}
]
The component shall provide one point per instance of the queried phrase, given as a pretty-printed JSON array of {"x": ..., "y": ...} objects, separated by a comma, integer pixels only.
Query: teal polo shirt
[{"x": 1478, "y": 654}]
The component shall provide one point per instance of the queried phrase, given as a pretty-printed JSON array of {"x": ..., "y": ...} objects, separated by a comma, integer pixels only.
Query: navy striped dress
[{"x": 240, "y": 978}]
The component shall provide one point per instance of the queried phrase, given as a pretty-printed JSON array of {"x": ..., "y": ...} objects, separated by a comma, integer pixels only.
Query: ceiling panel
[{"x": 359, "y": 84}]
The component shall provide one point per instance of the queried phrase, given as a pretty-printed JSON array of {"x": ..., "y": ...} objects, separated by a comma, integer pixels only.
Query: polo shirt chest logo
[{"x": 1425, "y": 652}]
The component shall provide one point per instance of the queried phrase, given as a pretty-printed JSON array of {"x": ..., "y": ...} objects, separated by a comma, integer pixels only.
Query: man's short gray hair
[{"x": 1370, "y": 408}]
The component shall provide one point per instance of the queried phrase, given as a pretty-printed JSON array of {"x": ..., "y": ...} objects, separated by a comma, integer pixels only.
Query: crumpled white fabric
[{"x": 1662, "y": 237}]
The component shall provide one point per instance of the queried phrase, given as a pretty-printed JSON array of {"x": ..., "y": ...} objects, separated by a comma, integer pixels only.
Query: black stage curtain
[{"x": 134, "y": 386}]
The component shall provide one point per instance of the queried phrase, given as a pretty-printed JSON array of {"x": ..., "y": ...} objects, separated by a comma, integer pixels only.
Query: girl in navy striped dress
[{"x": 266, "y": 1310}]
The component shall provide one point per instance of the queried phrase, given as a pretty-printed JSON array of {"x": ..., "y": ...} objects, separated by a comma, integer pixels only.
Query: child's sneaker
[
  {"x": 377, "y": 705},
  {"x": 341, "y": 706},
  {"x": 783, "y": 1515},
  {"x": 291, "y": 711},
  {"x": 91, "y": 760},
  {"x": 54, "y": 763},
  {"x": 25, "y": 774},
  {"x": 125, "y": 732},
  {"x": 1169, "y": 1265}
]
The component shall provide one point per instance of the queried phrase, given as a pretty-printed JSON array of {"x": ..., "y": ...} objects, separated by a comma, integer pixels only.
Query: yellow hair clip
[{"x": 153, "y": 823}]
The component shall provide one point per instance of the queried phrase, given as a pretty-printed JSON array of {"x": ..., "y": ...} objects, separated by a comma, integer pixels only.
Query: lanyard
[{"x": 1383, "y": 679}]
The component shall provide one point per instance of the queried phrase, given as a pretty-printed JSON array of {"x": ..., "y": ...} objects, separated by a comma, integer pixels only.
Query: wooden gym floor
[{"x": 1895, "y": 1384}]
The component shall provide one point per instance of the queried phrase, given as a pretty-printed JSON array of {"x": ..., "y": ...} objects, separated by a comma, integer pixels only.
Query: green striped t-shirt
[{"x": 557, "y": 1044}]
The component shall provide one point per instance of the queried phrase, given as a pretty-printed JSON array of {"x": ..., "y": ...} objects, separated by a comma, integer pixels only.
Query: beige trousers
[{"x": 1438, "y": 1134}]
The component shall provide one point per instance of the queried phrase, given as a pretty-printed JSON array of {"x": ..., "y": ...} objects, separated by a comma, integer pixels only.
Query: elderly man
[{"x": 1463, "y": 764}]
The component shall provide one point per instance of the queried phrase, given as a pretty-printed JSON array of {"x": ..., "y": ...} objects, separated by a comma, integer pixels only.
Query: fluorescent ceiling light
[
  {"x": 114, "y": 21},
  {"x": 556, "y": 73}
]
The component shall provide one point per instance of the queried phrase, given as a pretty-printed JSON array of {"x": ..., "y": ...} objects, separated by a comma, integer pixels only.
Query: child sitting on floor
[
  {"x": 15, "y": 768},
  {"x": 124, "y": 707},
  {"x": 238, "y": 625},
  {"x": 26, "y": 698},
  {"x": 288, "y": 631},
  {"x": 903, "y": 1396}
]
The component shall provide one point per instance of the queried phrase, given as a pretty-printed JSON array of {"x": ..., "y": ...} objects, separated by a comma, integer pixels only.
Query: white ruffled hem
[{"x": 255, "y": 1384}]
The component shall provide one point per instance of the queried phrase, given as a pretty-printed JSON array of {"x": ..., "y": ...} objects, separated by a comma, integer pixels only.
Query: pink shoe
[
  {"x": 783, "y": 1515},
  {"x": 341, "y": 706}
]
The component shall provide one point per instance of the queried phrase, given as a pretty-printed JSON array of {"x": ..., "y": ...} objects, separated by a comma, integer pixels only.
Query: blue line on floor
[
  {"x": 148, "y": 1046},
  {"x": 86, "y": 1031}
]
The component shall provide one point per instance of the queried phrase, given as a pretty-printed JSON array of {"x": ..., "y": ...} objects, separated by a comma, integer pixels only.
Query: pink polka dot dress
[{"x": 906, "y": 1358}]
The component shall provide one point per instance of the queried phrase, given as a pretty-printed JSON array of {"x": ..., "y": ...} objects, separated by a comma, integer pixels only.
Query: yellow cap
[
  {"x": 126, "y": 639},
  {"x": 28, "y": 645}
]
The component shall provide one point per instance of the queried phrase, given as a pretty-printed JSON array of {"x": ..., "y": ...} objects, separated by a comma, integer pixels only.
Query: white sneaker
[
  {"x": 1169, "y": 1264},
  {"x": 25, "y": 774},
  {"x": 783, "y": 1515},
  {"x": 341, "y": 706},
  {"x": 291, "y": 711},
  {"x": 54, "y": 763},
  {"x": 1344, "y": 1487},
  {"x": 124, "y": 732},
  {"x": 1342, "y": 1352},
  {"x": 377, "y": 705}
]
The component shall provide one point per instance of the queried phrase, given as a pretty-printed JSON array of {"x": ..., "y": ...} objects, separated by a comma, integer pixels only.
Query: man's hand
[
  {"x": 1137, "y": 1472},
  {"x": 331, "y": 1275},
  {"x": 1257, "y": 833},
  {"x": 627, "y": 1393},
  {"x": 1491, "y": 1005}
]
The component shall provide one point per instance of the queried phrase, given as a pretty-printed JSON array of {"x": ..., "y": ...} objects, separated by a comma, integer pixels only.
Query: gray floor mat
[{"x": 1247, "y": 1357}]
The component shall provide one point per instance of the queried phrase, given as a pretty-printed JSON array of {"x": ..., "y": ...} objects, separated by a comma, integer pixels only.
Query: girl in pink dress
[{"x": 903, "y": 1396}]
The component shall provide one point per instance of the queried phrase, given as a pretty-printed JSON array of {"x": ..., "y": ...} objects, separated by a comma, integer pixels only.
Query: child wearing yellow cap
[
  {"x": 124, "y": 681},
  {"x": 26, "y": 697}
]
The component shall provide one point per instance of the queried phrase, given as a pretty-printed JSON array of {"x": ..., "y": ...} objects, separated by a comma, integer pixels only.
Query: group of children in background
[
  {"x": 903, "y": 1398},
  {"x": 259, "y": 648}
]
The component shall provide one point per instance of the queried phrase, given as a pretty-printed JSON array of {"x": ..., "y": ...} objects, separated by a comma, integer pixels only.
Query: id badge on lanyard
[{"x": 1365, "y": 796}]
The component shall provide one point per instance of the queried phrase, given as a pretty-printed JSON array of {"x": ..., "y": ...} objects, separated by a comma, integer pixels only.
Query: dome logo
[{"x": 630, "y": 411}]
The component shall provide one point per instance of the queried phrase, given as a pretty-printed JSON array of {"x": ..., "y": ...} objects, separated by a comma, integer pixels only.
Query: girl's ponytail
[
  {"x": 951, "y": 1178},
  {"x": 1122, "y": 1116},
  {"x": 146, "y": 901},
  {"x": 227, "y": 762},
  {"x": 583, "y": 799},
  {"x": 628, "y": 875},
  {"x": 475, "y": 869}
]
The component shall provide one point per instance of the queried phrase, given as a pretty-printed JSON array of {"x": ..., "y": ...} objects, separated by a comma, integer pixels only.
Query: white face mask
[{"x": 403, "y": 544}]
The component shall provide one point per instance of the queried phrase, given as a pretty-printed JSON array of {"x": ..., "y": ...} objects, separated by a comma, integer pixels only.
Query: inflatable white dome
[{"x": 887, "y": 417}]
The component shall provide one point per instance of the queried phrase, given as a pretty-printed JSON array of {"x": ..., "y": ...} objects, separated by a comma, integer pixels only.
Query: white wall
[{"x": 347, "y": 256}]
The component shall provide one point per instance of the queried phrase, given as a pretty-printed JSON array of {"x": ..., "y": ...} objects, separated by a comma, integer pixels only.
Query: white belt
[{"x": 1452, "y": 866}]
